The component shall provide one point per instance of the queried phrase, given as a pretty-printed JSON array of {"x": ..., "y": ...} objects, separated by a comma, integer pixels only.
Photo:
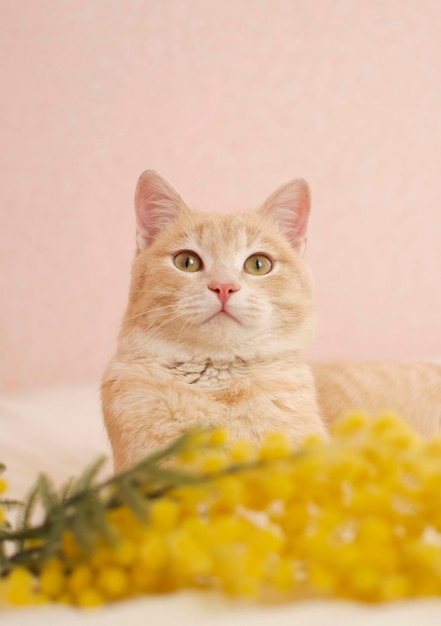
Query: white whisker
[
  {"x": 150, "y": 309},
  {"x": 169, "y": 320}
]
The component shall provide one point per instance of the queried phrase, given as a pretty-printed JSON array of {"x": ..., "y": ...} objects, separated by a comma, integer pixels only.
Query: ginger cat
[{"x": 220, "y": 314}]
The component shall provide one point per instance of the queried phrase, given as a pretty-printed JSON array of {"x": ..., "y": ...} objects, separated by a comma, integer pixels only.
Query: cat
[{"x": 220, "y": 314}]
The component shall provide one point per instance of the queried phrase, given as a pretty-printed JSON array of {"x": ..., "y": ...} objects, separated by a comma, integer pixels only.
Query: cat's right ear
[{"x": 156, "y": 204}]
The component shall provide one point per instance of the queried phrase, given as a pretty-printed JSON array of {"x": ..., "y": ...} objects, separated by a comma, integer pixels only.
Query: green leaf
[
  {"x": 79, "y": 523},
  {"x": 65, "y": 491},
  {"x": 130, "y": 496},
  {"x": 47, "y": 495},
  {"x": 85, "y": 481},
  {"x": 25, "y": 514},
  {"x": 38, "y": 532},
  {"x": 11, "y": 505},
  {"x": 100, "y": 524}
]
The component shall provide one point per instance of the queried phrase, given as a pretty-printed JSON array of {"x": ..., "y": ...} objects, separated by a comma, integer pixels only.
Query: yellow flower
[
  {"x": 3, "y": 488},
  {"x": 282, "y": 575},
  {"x": 52, "y": 580},
  {"x": 80, "y": 579},
  {"x": 188, "y": 559},
  {"x": 90, "y": 598},
  {"x": 353, "y": 422},
  {"x": 356, "y": 516},
  {"x": 152, "y": 551},
  {"x": 241, "y": 451},
  {"x": 20, "y": 587},
  {"x": 275, "y": 445},
  {"x": 69, "y": 545},
  {"x": 164, "y": 514},
  {"x": 219, "y": 437},
  {"x": 113, "y": 582}
]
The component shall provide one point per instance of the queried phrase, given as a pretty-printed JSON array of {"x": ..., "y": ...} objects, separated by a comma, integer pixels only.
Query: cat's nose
[{"x": 223, "y": 290}]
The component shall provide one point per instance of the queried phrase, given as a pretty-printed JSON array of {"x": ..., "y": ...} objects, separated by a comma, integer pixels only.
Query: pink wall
[{"x": 228, "y": 99}]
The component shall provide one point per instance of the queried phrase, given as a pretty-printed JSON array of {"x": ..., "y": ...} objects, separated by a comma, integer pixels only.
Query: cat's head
[{"x": 221, "y": 285}]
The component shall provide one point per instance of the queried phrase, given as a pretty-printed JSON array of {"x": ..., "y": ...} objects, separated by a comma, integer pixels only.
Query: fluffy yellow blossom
[
  {"x": 275, "y": 446},
  {"x": 52, "y": 580},
  {"x": 80, "y": 578},
  {"x": 2, "y": 490},
  {"x": 20, "y": 587},
  {"x": 357, "y": 516}
]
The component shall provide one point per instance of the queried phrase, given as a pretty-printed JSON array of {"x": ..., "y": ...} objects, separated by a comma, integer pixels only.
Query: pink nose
[{"x": 223, "y": 290}]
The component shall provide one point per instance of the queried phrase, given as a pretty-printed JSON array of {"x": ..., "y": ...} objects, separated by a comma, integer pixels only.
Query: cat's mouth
[{"x": 222, "y": 314}]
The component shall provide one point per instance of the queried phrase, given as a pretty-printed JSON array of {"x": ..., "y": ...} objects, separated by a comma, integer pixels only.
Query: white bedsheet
[{"x": 58, "y": 432}]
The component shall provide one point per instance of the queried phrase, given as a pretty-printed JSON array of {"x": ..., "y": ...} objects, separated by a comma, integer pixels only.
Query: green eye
[
  {"x": 187, "y": 262},
  {"x": 258, "y": 264}
]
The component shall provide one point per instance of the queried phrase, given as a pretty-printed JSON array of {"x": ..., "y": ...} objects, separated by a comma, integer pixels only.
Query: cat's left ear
[{"x": 289, "y": 207}]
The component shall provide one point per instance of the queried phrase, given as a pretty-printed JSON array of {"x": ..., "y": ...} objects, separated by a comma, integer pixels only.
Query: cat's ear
[
  {"x": 289, "y": 207},
  {"x": 156, "y": 204}
]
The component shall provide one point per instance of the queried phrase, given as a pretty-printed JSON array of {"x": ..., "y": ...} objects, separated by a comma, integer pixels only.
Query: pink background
[{"x": 228, "y": 99}]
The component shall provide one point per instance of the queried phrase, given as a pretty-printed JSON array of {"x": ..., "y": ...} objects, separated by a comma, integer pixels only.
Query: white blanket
[{"x": 58, "y": 432}]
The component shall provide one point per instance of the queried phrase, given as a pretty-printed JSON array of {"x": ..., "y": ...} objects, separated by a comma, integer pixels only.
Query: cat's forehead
[{"x": 226, "y": 233}]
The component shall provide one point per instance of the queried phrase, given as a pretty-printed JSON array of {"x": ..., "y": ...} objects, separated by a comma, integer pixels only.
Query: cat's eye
[
  {"x": 187, "y": 261},
  {"x": 258, "y": 264}
]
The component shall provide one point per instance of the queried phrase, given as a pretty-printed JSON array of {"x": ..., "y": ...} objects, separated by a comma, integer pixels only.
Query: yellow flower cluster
[
  {"x": 356, "y": 516},
  {"x": 2, "y": 490}
]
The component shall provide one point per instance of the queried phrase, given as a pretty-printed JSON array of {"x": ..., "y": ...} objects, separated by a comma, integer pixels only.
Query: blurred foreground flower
[{"x": 357, "y": 516}]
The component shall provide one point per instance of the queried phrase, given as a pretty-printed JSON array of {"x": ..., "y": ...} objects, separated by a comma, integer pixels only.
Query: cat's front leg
[{"x": 143, "y": 412}]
